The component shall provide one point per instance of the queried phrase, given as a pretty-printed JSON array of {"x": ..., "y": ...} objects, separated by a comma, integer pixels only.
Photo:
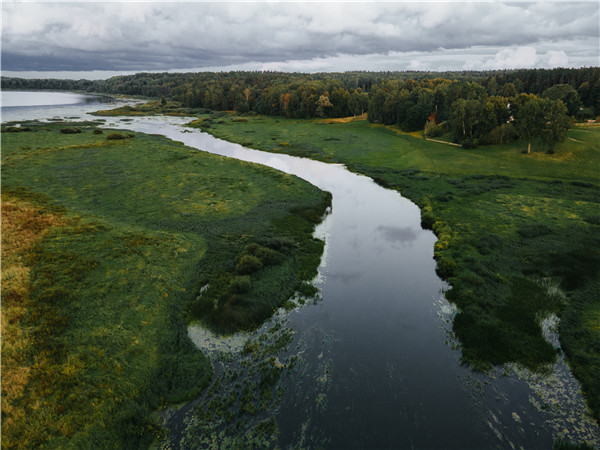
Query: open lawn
[
  {"x": 518, "y": 234},
  {"x": 112, "y": 241}
]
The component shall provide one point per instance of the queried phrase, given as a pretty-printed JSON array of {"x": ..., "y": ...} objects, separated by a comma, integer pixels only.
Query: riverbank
[
  {"x": 112, "y": 242},
  {"x": 517, "y": 234}
]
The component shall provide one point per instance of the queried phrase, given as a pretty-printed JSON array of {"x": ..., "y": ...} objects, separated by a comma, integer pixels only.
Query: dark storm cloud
[{"x": 298, "y": 36}]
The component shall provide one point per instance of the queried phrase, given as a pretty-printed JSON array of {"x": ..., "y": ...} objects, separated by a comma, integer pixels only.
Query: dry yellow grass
[
  {"x": 22, "y": 226},
  {"x": 343, "y": 119}
]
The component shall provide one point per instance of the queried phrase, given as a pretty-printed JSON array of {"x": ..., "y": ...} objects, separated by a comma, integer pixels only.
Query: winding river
[{"x": 381, "y": 367}]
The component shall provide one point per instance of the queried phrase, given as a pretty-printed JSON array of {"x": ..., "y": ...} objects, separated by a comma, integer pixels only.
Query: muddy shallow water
[{"x": 376, "y": 365}]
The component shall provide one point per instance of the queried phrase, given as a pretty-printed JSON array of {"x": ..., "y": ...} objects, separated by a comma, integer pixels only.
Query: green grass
[
  {"x": 145, "y": 224},
  {"x": 518, "y": 234}
]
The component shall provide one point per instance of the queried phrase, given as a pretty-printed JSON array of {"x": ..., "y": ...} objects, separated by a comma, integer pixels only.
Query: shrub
[
  {"x": 115, "y": 136},
  {"x": 469, "y": 143},
  {"x": 70, "y": 130},
  {"x": 503, "y": 133},
  {"x": 240, "y": 284},
  {"x": 582, "y": 183},
  {"x": 248, "y": 264},
  {"x": 427, "y": 220},
  {"x": 488, "y": 243},
  {"x": 307, "y": 289},
  {"x": 98, "y": 131},
  {"x": 534, "y": 230},
  {"x": 266, "y": 255},
  {"x": 16, "y": 129},
  {"x": 433, "y": 130}
]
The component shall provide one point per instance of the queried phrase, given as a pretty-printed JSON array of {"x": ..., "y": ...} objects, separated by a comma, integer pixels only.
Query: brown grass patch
[
  {"x": 22, "y": 226},
  {"x": 343, "y": 119}
]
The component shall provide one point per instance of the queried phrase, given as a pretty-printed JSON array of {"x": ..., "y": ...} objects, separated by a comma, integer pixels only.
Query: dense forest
[{"x": 476, "y": 107}]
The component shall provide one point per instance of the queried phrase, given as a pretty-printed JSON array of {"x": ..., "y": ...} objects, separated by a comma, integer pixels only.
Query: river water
[{"x": 380, "y": 366}]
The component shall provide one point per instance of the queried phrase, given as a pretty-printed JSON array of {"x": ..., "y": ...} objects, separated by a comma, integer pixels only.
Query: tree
[
  {"x": 358, "y": 102},
  {"x": 529, "y": 120},
  {"x": 465, "y": 115},
  {"x": 556, "y": 123},
  {"x": 567, "y": 94},
  {"x": 415, "y": 116},
  {"x": 543, "y": 118},
  {"x": 322, "y": 104},
  {"x": 339, "y": 99}
]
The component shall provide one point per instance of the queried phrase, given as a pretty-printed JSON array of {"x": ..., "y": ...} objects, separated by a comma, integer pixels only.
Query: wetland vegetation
[
  {"x": 517, "y": 233},
  {"x": 167, "y": 235},
  {"x": 110, "y": 247}
]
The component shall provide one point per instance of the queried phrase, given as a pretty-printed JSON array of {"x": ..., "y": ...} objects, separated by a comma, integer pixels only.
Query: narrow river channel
[
  {"x": 379, "y": 336},
  {"x": 379, "y": 367}
]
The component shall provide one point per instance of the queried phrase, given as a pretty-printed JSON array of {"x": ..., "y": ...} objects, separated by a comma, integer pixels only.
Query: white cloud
[
  {"x": 557, "y": 58},
  {"x": 513, "y": 58},
  {"x": 159, "y": 35}
]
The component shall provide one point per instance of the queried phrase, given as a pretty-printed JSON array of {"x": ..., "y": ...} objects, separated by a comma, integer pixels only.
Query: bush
[
  {"x": 427, "y": 220},
  {"x": 16, "y": 129},
  {"x": 433, "y": 130},
  {"x": 240, "y": 285},
  {"x": 582, "y": 184},
  {"x": 248, "y": 264},
  {"x": 307, "y": 289},
  {"x": 115, "y": 136},
  {"x": 535, "y": 230},
  {"x": 267, "y": 256},
  {"x": 98, "y": 131},
  {"x": 70, "y": 130},
  {"x": 503, "y": 133},
  {"x": 469, "y": 143}
]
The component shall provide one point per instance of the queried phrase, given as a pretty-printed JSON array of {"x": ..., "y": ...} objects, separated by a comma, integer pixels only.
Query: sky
[{"x": 100, "y": 39}]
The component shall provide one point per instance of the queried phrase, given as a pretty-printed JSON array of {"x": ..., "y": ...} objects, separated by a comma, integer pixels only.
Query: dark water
[{"x": 379, "y": 368}]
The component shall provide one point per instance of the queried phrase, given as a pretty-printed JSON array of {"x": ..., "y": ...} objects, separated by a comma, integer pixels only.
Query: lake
[
  {"x": 22, "y": 105},
  {"x": 379, "y": 365}
]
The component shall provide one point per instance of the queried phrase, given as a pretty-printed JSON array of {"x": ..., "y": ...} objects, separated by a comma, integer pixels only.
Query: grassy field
[
  {"x": 112, "y": 242},
  {"x": 518, "y": 234}
]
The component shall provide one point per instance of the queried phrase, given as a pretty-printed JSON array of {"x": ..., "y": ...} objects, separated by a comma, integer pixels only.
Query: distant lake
[{"x": 21, "y": 105}]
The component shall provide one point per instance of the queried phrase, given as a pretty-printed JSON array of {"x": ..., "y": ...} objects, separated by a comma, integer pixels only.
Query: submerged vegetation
[
  {"x": 109, "y": 247},
  {"x": 517, "y": 233}
]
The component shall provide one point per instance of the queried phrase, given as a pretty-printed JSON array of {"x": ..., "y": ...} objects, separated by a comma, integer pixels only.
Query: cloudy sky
[{"x": 67, "y": 38}]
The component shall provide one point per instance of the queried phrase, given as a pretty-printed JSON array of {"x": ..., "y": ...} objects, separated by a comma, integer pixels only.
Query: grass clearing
[
  {"x": 507, "y": 223},
  {"x": 106, "y": 247}
]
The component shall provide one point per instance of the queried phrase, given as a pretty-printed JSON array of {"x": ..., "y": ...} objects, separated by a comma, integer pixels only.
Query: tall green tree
[
  {"x": 543, "y": 118},
  {"x": 323, "y": 105},
  {"x": 567, "y": 94},
  {"x": 529, "y": 120},
  {"x": 465, "y": 115},
  {"x": 556, "y": 123}
]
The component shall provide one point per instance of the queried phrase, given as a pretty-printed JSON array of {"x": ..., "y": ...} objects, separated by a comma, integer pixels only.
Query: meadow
[
  {"x": 518, "y": 233},
  {"x": 112, "y": 243}
]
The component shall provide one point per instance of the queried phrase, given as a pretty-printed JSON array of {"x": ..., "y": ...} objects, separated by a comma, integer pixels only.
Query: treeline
[
  {"x": 474, "y": 106},
  {"x": 472, "y": 115}
]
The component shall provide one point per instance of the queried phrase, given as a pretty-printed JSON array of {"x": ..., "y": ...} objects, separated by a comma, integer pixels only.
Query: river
[{"x": 381, "y": 368}]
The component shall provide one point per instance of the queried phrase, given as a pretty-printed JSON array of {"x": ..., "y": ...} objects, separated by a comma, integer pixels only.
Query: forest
[{"x": 476, "y": 107}]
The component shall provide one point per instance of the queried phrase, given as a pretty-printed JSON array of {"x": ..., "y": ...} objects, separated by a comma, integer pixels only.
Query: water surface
[{"x": 21, "y": 105}]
